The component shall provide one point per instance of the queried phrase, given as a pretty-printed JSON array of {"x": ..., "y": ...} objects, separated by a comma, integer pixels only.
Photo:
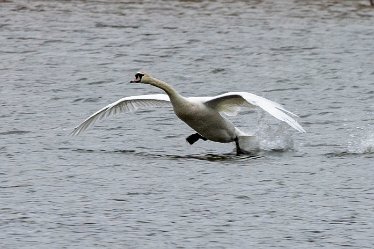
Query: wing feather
[
  {"x": 225, "y": 102},
  {"x": 128, "y": 104}
]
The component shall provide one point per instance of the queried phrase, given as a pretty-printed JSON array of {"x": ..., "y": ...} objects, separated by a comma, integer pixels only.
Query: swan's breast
[
  {"x": 191, "y": 111},
  {"x": 207, "y": 122}
]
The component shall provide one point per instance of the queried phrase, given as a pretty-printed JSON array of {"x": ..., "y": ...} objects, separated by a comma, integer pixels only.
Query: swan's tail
[{"x": 247, "y": 142}]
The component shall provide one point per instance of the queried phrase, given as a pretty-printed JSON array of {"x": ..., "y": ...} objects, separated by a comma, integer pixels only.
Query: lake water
[{"x": 132, "y": 181}]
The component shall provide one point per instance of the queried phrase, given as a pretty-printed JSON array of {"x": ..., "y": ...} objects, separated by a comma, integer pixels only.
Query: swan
[{"x": 202, "y": 114}]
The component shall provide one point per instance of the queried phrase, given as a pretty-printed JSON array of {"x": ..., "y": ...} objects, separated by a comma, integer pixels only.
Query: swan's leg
[
  {"x": 238, "y": 150},
  {"x": 194, "y": 137}
]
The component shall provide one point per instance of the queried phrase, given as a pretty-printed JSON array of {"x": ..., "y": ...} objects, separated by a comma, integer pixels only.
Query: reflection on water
[{"x": 205, "y": 157}]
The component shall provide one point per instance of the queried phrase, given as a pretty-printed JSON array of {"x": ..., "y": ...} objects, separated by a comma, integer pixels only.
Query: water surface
[{"x": 132, "y": 181}]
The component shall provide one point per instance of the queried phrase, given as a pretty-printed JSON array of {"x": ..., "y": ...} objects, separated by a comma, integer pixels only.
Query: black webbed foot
[{"x": 194, "y": 137}]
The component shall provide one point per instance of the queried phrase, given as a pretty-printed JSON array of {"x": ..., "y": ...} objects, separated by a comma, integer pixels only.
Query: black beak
[{"x": 136, "y": 80}]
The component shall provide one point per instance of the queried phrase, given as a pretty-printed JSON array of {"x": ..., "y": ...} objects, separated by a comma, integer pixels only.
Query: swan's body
[{"x": 203, "y": 114}]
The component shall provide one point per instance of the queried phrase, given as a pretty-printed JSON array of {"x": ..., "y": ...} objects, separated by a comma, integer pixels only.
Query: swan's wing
[
  {"x": 224, "y": 104},
  {"x": 128, "y": 104},
  {"x": 229, "y": 101}
]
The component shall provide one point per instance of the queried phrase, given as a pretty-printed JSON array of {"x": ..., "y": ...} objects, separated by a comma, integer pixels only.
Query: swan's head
[
  {"x": 144, "y": 78},
  {"x": 141, "y": 77}
]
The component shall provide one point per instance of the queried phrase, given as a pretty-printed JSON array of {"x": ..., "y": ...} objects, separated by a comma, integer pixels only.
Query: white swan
[{"x": 203, "y": 114}]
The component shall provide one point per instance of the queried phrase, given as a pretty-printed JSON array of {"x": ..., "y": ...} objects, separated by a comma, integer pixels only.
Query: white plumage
[
  {"x": 203, "y": 114},
  {"x": 128, "y": 104}
]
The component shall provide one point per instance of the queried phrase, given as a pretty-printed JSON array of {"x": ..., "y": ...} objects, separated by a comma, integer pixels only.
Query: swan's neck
[{"x": 164, "y": 86}]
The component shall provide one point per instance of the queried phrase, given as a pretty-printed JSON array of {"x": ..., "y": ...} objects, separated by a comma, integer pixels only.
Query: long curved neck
[
  {"x": 179, "y": 102},
  {"x": 164, "y": 86}
]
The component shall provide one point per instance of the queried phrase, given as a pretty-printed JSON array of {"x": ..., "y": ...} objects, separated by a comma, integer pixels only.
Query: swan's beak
[{"x": 135, "y": 81}]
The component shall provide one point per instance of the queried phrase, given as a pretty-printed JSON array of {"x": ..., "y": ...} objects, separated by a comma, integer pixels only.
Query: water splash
[
  {"x": 364, "y": 144},
  {"x": 275, "y": 138},
  {"x": 272, "y": 137}
]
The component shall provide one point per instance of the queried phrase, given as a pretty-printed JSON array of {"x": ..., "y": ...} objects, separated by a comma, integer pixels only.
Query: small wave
[
  {"x": 86, "y": 100},
  {"x": 14, "y": 132}
]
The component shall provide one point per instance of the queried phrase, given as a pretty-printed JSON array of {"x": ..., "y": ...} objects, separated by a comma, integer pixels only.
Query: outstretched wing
[
  {"x": 128, "y": 104},
  {"x": 232, "y": 101}
]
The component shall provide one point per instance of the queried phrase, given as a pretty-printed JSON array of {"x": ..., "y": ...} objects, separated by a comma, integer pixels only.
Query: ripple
[
  {"x": 14, "y": 132},
  {"x": 116, "y": 26},
  {"x": 86, "y": 100},
  {"x": 283, "y": 89},
  {"x": 16, "y": 186}
]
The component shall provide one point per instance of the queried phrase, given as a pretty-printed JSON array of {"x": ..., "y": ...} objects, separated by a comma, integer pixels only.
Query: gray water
[{"x": 132, "y": 181}]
